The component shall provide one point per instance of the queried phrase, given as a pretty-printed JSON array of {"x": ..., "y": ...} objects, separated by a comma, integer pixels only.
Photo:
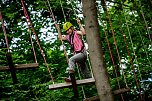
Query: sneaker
[
  {"x": 67, "y": 79},
  {"x": 71, "y": 70}
]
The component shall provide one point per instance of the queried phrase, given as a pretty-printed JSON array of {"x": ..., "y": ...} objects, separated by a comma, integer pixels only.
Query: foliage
[{"x": 131, "y": 24}]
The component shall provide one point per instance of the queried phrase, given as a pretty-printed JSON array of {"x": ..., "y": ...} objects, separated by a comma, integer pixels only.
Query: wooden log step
[
  {"x": 115, "y": 92},
  {"x": 66, "y": 85},
  {"x": 20, "y": 66},
  {"x": 94, "y": 98},
  {"x": 120, "y": 91}
]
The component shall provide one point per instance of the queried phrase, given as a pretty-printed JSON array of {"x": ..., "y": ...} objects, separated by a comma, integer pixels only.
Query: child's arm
[
  {"x": 82, "y": 30},
  {"x": 61, "y": 37}
]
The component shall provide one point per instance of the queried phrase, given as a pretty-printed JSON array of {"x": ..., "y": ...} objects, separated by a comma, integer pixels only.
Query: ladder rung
[
  {"x": 65, "y": 85},
  {"x": 20, "y": 66},
  {"x": 122, "y": 90},
  {"x": 119, "y": 91},
  {"x": 94, "y": 98}
]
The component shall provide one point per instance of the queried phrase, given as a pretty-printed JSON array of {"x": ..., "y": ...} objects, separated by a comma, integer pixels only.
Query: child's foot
[
  {"x": 67, "y": 79},
  {"x": 70, "y": 70}
]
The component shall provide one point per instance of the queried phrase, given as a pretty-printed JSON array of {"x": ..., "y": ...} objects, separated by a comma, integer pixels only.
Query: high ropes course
[{"x": 97, "y": 68}]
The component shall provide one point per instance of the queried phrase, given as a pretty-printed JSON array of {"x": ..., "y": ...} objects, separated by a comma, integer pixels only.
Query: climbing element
[
  {"x": 4, "y": 30},
  {"x": 41, "y": 50}
]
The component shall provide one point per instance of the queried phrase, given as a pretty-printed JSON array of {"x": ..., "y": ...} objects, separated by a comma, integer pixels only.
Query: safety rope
[
  {"x": 73, "y": 9},
  {"x": 142, "y": 42},
  {"x": 134, "y": 55},
  {"x": 111, "y": 56},
  {"x": 63, "y": 11},
  {"x": 28, "y": 25},
  {"x": 4, "y": 30},
  {"x": 7, "y": 39},
  {"x": 132, "y": 45},
  {"x": 31, "y": 41},
  {"x": 58, "y": 29},
  {"x": 115, "y": 43},
  {"x": 32, "y": 45},
  {"x": 131, "y": 62},
  {"x": 41, "y": 50},
  {"x": 142, "y": 13}
]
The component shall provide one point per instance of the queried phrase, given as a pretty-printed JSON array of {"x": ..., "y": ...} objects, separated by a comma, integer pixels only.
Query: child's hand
[{"x": 78, "y": 21}]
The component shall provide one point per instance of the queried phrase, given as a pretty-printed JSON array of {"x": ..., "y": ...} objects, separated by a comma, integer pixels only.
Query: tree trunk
[{"x": 95, "y": 50}]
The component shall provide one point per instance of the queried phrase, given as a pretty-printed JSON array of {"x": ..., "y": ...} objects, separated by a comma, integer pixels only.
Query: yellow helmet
[{"x": 66, "y": 26}]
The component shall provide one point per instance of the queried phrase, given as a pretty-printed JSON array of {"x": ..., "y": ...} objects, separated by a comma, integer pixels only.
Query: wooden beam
[
  {"x": 20, "y": 66},
  {"x": 74, "y": 85},
  {"x": 115, "y": 92},
  {"x": 11, "y": 67},
  {"x": 120, "y": 91},
  {"x": 94, "y": 98},
  {"x": 66, "y": 85}
]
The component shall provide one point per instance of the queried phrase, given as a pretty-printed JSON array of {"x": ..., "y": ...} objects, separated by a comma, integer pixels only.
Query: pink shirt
[{"x": 75, "y": 42}]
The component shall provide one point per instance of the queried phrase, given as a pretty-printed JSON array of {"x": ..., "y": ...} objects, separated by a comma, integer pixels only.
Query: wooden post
[
  {"x": 95, "y": 50},
  {"x": 11, "y": 66},
  {"x": 74, "y": 85}
]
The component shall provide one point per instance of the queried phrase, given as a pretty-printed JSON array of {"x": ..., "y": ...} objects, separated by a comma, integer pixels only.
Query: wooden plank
[
  {"x": 20, "y": 66},
  {"x": 94, "y": 98},
  {"x": 66, "y": 85},
  {"x": 120, "y": 91},
  {"x": 115, "y": 92}
]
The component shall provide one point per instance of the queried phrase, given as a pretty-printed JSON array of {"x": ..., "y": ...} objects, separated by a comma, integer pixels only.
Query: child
[{"x": 74, "y": 38}]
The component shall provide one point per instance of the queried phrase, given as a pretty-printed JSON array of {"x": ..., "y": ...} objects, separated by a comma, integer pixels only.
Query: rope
[
  {"x": 58, "y": 29},
  {"x": 31, "y": 41},
  {"x": 131, "y": 61},
  {"x": 142, "y": 41},
  {"x": 7, "y": 39},
  {"x": 142, "y": 13},
  {"x": 84, "y": 96},
  {"x": 73, "y": 9},
  {"x": 134, "y": 55},
  {"x": 112, "y": 59},
  {"x": 32, "y": 45},
  {"x": 63, "y": 11},
  {"x": 116, "y": 45},
  {"x": 30, "y": 37},
  {"x": 111, "y": 56},
  {"x": 4, "y": 30},
  {"x": 132, "y": 45},
  {"x": 43, "y": 55}
]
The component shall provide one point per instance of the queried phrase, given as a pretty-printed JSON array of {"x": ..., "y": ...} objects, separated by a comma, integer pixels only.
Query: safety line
[
  {"x": 115, "y": 43},
  {"x": 111, "y": 55},
  {"x": 58, "y": 29},
  {"x": 142, "y": 13},
  {"x": 4, "y": 30},
  {"x": 42, "y": 53},
  {"x": 134, "y": 54}
]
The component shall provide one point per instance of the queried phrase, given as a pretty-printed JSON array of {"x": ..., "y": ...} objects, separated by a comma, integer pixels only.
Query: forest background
[{"x": 132, "y": 25}]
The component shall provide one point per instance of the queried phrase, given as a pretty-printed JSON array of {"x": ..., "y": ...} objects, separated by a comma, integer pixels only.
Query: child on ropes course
[{"x": 74, "y": 38}]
